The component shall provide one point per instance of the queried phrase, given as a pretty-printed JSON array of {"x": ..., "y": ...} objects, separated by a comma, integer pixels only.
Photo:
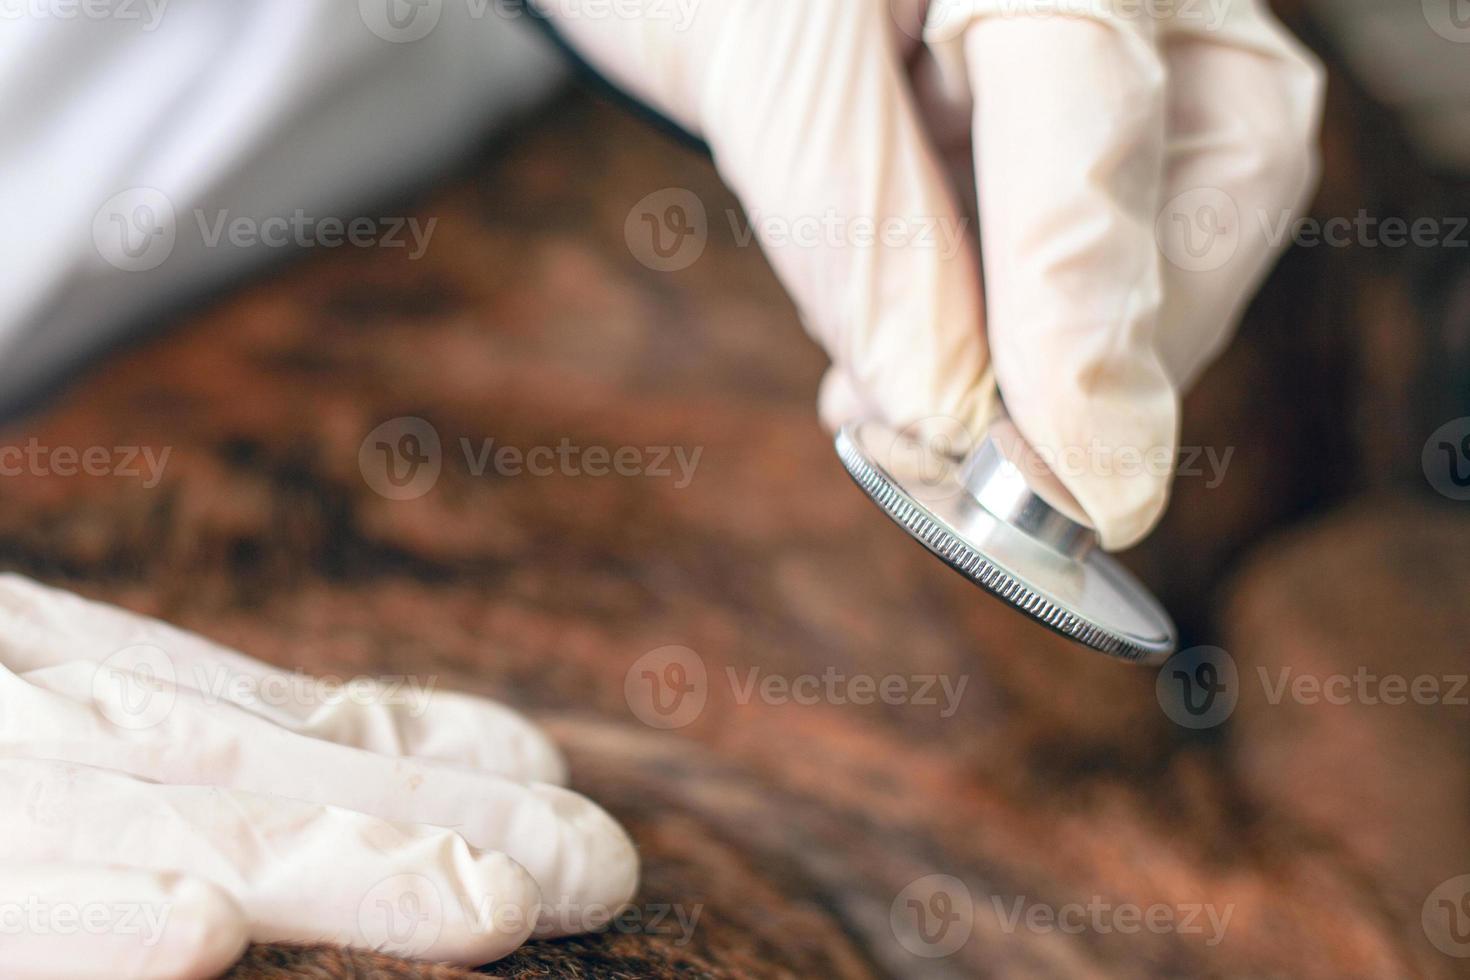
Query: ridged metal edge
[{"x": 955, "y": 553}]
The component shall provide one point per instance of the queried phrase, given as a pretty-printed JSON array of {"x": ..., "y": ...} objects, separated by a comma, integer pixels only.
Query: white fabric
[
  {"x": 183, "y": 799},
  {"x": 253, "y": 109}
]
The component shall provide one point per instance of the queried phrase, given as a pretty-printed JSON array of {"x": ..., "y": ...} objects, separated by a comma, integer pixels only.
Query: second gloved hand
[
  {"x": 1129, "y": 162},
  {"x": 181, "y": 799}
]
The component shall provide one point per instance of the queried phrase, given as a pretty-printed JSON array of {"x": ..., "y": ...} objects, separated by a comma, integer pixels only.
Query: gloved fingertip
[{"x": 1128, "y": 511}]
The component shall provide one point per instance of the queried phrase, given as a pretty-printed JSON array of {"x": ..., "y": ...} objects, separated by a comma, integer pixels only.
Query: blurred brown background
[{"x": 798, "y": 833}]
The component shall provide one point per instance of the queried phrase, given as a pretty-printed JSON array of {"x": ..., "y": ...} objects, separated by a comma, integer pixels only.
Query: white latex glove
[
  {"x": 164, "y": 800},
  {"x": 1090, "y": 130}
]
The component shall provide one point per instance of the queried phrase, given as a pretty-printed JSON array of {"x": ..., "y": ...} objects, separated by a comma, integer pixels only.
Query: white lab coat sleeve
[{"x": 128, "y": 137}]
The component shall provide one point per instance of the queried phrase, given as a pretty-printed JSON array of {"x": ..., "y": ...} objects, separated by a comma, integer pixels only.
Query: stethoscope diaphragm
[{"x": 1007, "y": 525}]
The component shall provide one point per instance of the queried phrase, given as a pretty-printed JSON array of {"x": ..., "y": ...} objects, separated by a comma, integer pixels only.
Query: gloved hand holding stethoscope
[{"x": 1129, "y": 159}]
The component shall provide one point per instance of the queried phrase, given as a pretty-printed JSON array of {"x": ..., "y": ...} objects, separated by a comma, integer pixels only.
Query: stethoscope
[{"x": 999, "y": 517}]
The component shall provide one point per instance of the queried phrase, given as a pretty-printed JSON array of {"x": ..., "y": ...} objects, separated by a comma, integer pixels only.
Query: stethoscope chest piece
[{"x": 1001, "y": 519}]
